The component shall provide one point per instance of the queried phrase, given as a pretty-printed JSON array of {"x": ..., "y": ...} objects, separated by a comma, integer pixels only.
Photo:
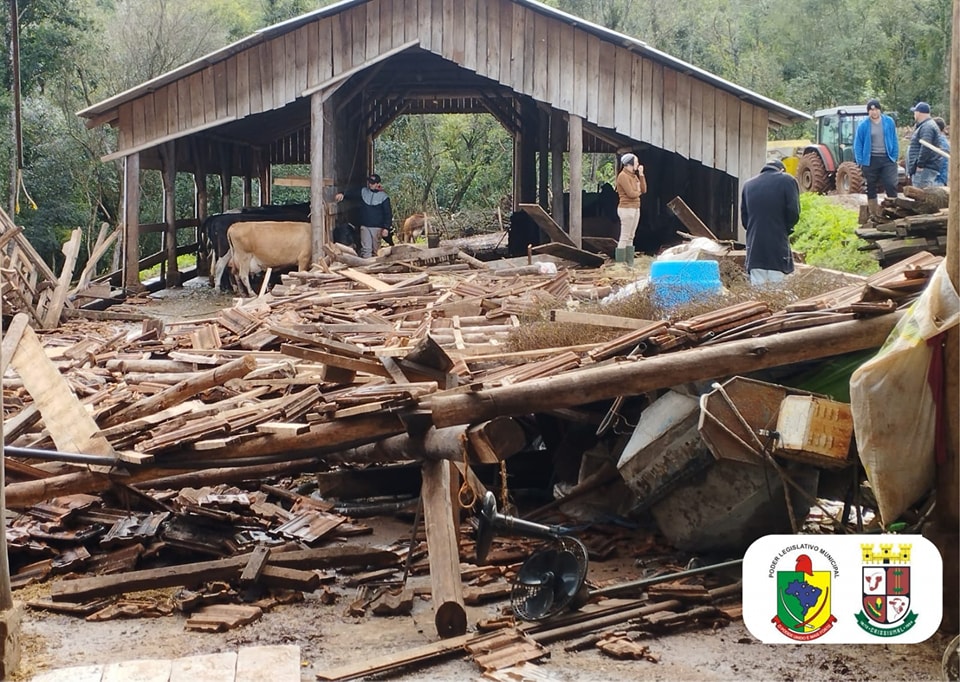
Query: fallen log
[
  {"x": 633, "y": 377},
  {"x": 450, "y": 615}
]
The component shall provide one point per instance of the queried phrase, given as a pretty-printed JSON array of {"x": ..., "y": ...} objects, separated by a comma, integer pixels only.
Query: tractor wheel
[
  {"x": 849, "y": 178},
  {"x": 812, "y": 174}
]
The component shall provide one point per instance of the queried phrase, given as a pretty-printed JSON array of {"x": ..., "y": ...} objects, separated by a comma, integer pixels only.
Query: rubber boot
[
  {"x": 628, "y": 259},
  {"x": 620, "y": 255},
  {"x": 873, "y": 207}
]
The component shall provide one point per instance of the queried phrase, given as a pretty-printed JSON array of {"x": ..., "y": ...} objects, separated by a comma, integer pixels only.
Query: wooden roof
[{"x": 390, "y": 57}]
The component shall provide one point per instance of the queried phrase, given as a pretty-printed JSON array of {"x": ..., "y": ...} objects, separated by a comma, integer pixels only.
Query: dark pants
[{"x": 881, "y": 169}]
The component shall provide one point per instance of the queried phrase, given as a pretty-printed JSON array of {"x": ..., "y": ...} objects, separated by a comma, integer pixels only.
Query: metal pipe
[
  {"x": 58, "y": 455},
  {"x": 627, "y": 587}
]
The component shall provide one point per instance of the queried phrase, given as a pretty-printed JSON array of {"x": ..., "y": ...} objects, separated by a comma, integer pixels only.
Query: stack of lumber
[{"x": 909, "y": 224}]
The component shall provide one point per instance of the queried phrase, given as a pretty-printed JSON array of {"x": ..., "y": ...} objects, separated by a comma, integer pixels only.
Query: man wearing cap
[
  {"x": 876, "y": 150},
  {"x": 923, "y": 163},
  {"x": 769, "y": 210},
  {"x": 376, "y": 216},
  {"x": 631, "y": 183}
]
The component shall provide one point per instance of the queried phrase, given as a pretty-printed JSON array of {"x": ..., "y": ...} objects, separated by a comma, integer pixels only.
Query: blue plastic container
[{"x": 677, "y": 282}]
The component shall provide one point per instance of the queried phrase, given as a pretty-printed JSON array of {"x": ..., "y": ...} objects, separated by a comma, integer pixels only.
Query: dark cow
[{"x": 215, "y": 230}]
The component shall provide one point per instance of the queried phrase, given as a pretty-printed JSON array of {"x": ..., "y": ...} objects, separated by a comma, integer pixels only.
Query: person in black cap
[
  {"x": 923, "y": 163},
  {"x": 876, "y": 150},
  {"x": 376, "y": 216},
  {"x": 769, "y": 210}
]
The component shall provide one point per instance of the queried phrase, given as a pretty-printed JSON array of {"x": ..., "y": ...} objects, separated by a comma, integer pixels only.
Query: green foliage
[{"x": 826, "y": 235}]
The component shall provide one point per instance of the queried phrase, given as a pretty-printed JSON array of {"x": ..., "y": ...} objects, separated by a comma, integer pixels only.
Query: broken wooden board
[
  {"x": 690, "y": 219},
  {"x": 70, "y": 425},
  {"x": 222, "y": 617},
  {"x": 571, "y": 253},
  {"x": 546, "y": 223}
]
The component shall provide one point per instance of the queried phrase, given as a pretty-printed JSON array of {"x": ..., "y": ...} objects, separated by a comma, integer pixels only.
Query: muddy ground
[{"x": 328, "y": 637}]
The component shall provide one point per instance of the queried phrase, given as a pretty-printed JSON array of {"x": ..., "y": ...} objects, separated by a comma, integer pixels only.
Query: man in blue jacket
[
  {"x": 876, "y": 150},
  {"x": 769, "y": 209}
]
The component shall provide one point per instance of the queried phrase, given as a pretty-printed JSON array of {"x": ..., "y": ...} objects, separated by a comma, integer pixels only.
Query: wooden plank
[
  {"x": 195, "y": 82},
  {"x": 66, "y": 419},
  {"x": 697, "y": 89},
  {"x": 682, "y": 123},
  {"x": 606, "y": 85},
  {"x": 596, "y": 319},
  {"x": 363, "y": 278},
  {"x": 209, "y": 95},
  {"x": 623, "y": 97},
  {"x": 369, "y": 366},
  {"x": 11, "y": 339},
  {"x": 689, "y": 219},
  {"x": 745, "y": 170},
  {"x": 446, "y": 587},
  {"x": 570, "y": 253},
  {"x": 546, "y": 223},
  {"x": 374, "y": 34},
  {"x": 669, "y": 109},
  {"x": 494, "y": 39},
  {"x": 283, "y": 662},
  {"x": 243, "y": 84},
  {"x": 541, "y": 54},
  {"x": 478, "y": 10},
  {"x": 138, "y": 131},
  {"x": 530, "y": 48},
  {"x": 468, "y": 30},
  {"x": 579, "y": 86},
  {"x": 263, "y": 67},
  {"x": 720, "y": 130},
  {"x": 656, "y": 99},
  {"x": 219, "y": 667},
  {"x": 258, "y": 560},
  {"x": 708, "y": 125},
  {"x": 71, "y": 250},
  {"x": 733, "y": 136},
  {"x": 358, "y": 13},
  {"x": 518, "y": 37},
  {"x": 144, "y": 670},
  {"x": 220, "y": 87}
]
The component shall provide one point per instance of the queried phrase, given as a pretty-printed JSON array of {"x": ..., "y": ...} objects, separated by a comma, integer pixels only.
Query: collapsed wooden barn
[{"x": 319, "y": 88}]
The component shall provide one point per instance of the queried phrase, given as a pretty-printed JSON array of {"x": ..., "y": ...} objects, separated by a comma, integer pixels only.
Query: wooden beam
[
  {"x": 71, "y": 249},
  {"x": 450, "y": 616},
  {"x": 646, "y": 374},
  {"x": 596, "y": 319},
  {"x": 343, "y": 76},
  {"x": 689, "y": 219},
  {"x": 129, "y": 151},
  {"x": 131, "y": 221}
]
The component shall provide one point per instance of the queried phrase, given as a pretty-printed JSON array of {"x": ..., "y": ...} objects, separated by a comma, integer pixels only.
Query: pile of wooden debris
[
  {"x": 909, "y": 224},
  {"x": 352, "y": 363}
]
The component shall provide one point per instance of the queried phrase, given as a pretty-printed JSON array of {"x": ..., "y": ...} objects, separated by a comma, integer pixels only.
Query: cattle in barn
[
  {"x": 413, "y": 227},
  {"x": 215, "y": 230},
  {"x": 268, "y": 244},
  {"x": 348, "y": 235}
]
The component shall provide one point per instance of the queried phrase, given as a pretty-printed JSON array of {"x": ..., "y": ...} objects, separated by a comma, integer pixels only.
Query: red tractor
[{"x": 828, "y": 164}]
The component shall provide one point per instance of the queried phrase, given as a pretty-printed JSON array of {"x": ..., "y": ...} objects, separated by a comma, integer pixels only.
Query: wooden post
[
  {"x": 263, "y": 175},
  {"x": 945, "y": 528},
  {"x": 168, "y": 159},
  {"x": 226, "y": 177},
  {"x": 450, "y": 616},
  {"x": 557, "y": 145},
  {"x": 318, "y": 212},
  {"x": 200, "y": 208},
  {"x": 543, "y": 151},
  {"x": 131, "y": 221},
  {"x": 575, "y": 221}
]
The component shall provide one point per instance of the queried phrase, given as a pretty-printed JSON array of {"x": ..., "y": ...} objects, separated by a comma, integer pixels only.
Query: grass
[{"x": 185, "y": 261}]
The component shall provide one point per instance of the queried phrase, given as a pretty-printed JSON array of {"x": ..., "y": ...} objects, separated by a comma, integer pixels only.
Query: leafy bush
[{"x": 826, "y": 235}]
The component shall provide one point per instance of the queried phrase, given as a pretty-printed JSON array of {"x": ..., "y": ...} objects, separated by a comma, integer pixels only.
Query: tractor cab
[{"x": 829, "y": 163}]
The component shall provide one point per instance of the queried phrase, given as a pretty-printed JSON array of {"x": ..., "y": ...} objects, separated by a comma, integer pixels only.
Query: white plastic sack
[
  {"x": 893, "y": 407},
  {"x": 691, "y": 250}
]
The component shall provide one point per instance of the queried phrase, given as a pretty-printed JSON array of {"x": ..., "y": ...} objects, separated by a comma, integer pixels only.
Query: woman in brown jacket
[{"x": 630, "y": 185}]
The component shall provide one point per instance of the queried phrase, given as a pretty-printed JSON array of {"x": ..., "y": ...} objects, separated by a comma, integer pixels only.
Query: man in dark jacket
[
  {"x": 923, "y": 163},
  {"x": 769, "y": 209},
  {"x": 376, "y": 216}
]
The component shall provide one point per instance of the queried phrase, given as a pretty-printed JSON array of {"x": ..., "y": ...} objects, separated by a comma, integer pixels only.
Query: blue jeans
[{"x": 925, "y": 177}]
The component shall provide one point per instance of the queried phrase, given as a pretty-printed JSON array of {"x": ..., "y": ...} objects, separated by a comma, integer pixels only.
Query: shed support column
[
  {"x": 543, "y": 149},
  {"x": 263, "y": 174},
  {"x": 318, "y": 212},
  {"x": 576, "y": 180},
  {"x": 226, "y": 178},
  {"x": 557, "y": 145},
  {"x": 131, "y": 220},
  {"x": 168, "y": 160},
  {"x": 200, "y": 209}
]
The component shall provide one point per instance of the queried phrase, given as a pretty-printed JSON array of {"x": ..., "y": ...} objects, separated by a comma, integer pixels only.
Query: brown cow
[
  {"x": 413, "y": 227},
  {"x": 259, "y": 245}
]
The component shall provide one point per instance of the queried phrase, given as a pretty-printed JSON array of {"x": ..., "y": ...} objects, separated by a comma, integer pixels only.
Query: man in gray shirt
[{"x": 876, "y": 150}]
